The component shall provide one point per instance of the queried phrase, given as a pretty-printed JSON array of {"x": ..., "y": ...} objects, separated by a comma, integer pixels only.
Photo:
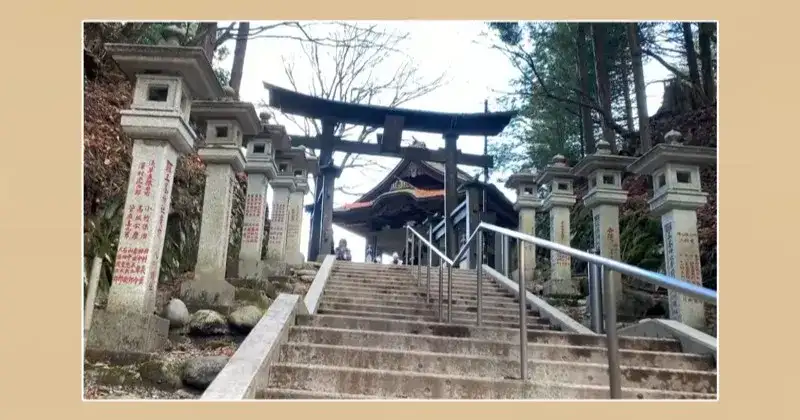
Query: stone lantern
[
  {"x": 528, "y": 202},
  {"x": 677, "y": 194},
  {"x": 168, "y": 78},
  {"x": 560, "y": 198},
  {"x": 227, "y": 122}
]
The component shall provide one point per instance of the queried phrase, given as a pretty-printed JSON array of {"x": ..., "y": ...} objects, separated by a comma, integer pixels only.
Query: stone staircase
[{"x": 375, "y": 336}]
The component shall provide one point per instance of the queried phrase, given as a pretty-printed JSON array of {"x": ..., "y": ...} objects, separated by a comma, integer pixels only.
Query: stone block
[
  {"x": 201, "y": 294},
  {"x": 127, "y": 332}
]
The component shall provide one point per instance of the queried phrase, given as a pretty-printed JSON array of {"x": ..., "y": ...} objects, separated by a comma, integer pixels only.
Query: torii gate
[{"x": 393, "y": 121}]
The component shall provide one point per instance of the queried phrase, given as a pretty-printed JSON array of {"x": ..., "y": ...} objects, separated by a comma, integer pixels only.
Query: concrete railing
[{"x": 247, "y": 371}]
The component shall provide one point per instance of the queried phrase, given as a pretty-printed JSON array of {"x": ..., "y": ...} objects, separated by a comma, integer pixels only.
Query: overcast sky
[{"x": 474, "y": 73}]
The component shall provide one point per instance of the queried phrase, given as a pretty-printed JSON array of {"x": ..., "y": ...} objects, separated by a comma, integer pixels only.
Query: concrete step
[
  {"x": 510, "y": 335},
  {"x": 371, "y": 278},
  {"x": 373, "y": 288},
  {"x": 506, "y": 307},
  {"x": 423, "y": 310},
  {"x": 457, "y": 318},
  {"x": 299, "y": 394},
  {"x": 510, "y": 351},
  {"x": 493, "y": 368},
  {"x": 390, "y": 384},
  {"x": 418, "y": 296}
]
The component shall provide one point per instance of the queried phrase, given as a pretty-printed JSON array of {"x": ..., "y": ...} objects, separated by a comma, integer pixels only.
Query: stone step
[
  {"x": 423, "y": 309},
  {"x": 510, "y": 335},
  {"x": 417, "y": 296},
  {"x": 390, "y": 384},
  {"x": 299, "y": 394},
  {"x": 373, "y": 288},
  {"x": 368, "y": 277},
  {"x": 492, "y": 368},
  {"x": 508, "y": 307},
  {"x": 457, "y": 317},
  {"x": 510, "y": 351}
]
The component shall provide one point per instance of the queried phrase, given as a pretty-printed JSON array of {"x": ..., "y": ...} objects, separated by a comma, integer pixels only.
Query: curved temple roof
[{"x": 474, "y": 124}]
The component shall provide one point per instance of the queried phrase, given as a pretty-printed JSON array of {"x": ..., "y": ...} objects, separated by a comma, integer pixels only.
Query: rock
[
  {"x": 307, "y": 273},
  {"x": 299, "y": 289},
  {"x": 201, "y": 371},
  {"x": 207, "y": 322},
  {"x": 162, "y": 374},
  {"x": 245, "y": 318},
  {"x": 176, "y": 313}
]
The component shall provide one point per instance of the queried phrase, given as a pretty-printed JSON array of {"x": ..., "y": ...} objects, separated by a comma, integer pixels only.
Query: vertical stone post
[
  {"x": 604, "y": 172},
  {"x": 675, "y": 170},
  {"x": 526, "y": 205},
  {"x": 302, "y": 165},
  {"x": 559, "y": 202},
  {"x": 227, "y": 122},
  {"x": 282, "y": 187},
  {"x": 167, "y": 79},
  {"x": 260, "y": 169}
]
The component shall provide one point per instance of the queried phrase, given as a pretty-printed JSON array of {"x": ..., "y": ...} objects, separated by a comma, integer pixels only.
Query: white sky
[{"x": 473, "y": 71}]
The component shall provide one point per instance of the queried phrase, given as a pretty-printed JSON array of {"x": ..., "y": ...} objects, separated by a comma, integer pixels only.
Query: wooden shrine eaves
[
  {"x": 474, "y": 124},
  {"x": 410, "y": 153}
]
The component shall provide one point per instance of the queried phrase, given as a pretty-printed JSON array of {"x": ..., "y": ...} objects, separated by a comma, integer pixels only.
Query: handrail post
[
  {"x": 479, "y": 269},
  {"x": 450, "y": 293},
  {"x": 595, "y": 298},
  {"x": 506, "y": 257},
  {"x": 419, "y": 261},
  {"x": 408, "y": 232},
  {"x": 441, "y": 286},
  {"x": 430, "y": 261},
  {"x": 523, "y": 309},
  {"x": 612, "y": 340}
]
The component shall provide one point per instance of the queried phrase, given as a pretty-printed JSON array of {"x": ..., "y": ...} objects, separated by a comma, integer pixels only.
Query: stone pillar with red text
[
  {"x": 167, "y": 80},
  {"x": 282, "y": 187},
  {"x": 558, "y": 203},
  {"x": 677, "y": 195},
  {"x": 295, "y": 219},
  {"x": 604, "y": 174},
  {"x": 227, "y": 122}
]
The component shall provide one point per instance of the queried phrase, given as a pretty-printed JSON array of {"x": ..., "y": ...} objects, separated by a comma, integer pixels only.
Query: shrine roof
[
  {"x": 385, "y": 185},
  {"x": 418, "y": 193},
  {"x": 471, "y": 124}
]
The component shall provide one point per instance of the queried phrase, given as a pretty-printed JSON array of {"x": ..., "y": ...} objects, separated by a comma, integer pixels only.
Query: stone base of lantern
[
  {"x": 249, "y": 269},
  {"x": 204, "y": 294},
  {"x": 273, "y": 267},
  {"x": 561, "y": 287},
  {"x": 127, "y": 332}
]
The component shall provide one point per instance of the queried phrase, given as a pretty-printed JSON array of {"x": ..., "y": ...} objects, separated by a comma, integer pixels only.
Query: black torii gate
[{"x": 393, "y": 121}]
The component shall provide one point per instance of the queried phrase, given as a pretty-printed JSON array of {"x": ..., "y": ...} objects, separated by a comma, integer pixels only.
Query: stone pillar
[
  {"x": 260, "y": 169},
  {"x": 604, "y": 173},
  {"x": 158, "y": 121},
  {"x": 302, "y": 166},
  {"x": 282, "y": 187},
  {"x": 227, "y": 122},
  {"x": 526, "y": 205},
  {"x": 677, "y": 194},
  {"x": 558, "y": 203}
]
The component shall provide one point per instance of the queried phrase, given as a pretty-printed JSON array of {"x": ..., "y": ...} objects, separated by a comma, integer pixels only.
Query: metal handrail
[
  {"x": 602, "y": 292},
  {"x": 651, "y": 277}
]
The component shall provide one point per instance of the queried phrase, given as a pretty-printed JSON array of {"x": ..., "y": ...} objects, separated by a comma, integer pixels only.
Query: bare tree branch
[{"x": 350, "y": 66}]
